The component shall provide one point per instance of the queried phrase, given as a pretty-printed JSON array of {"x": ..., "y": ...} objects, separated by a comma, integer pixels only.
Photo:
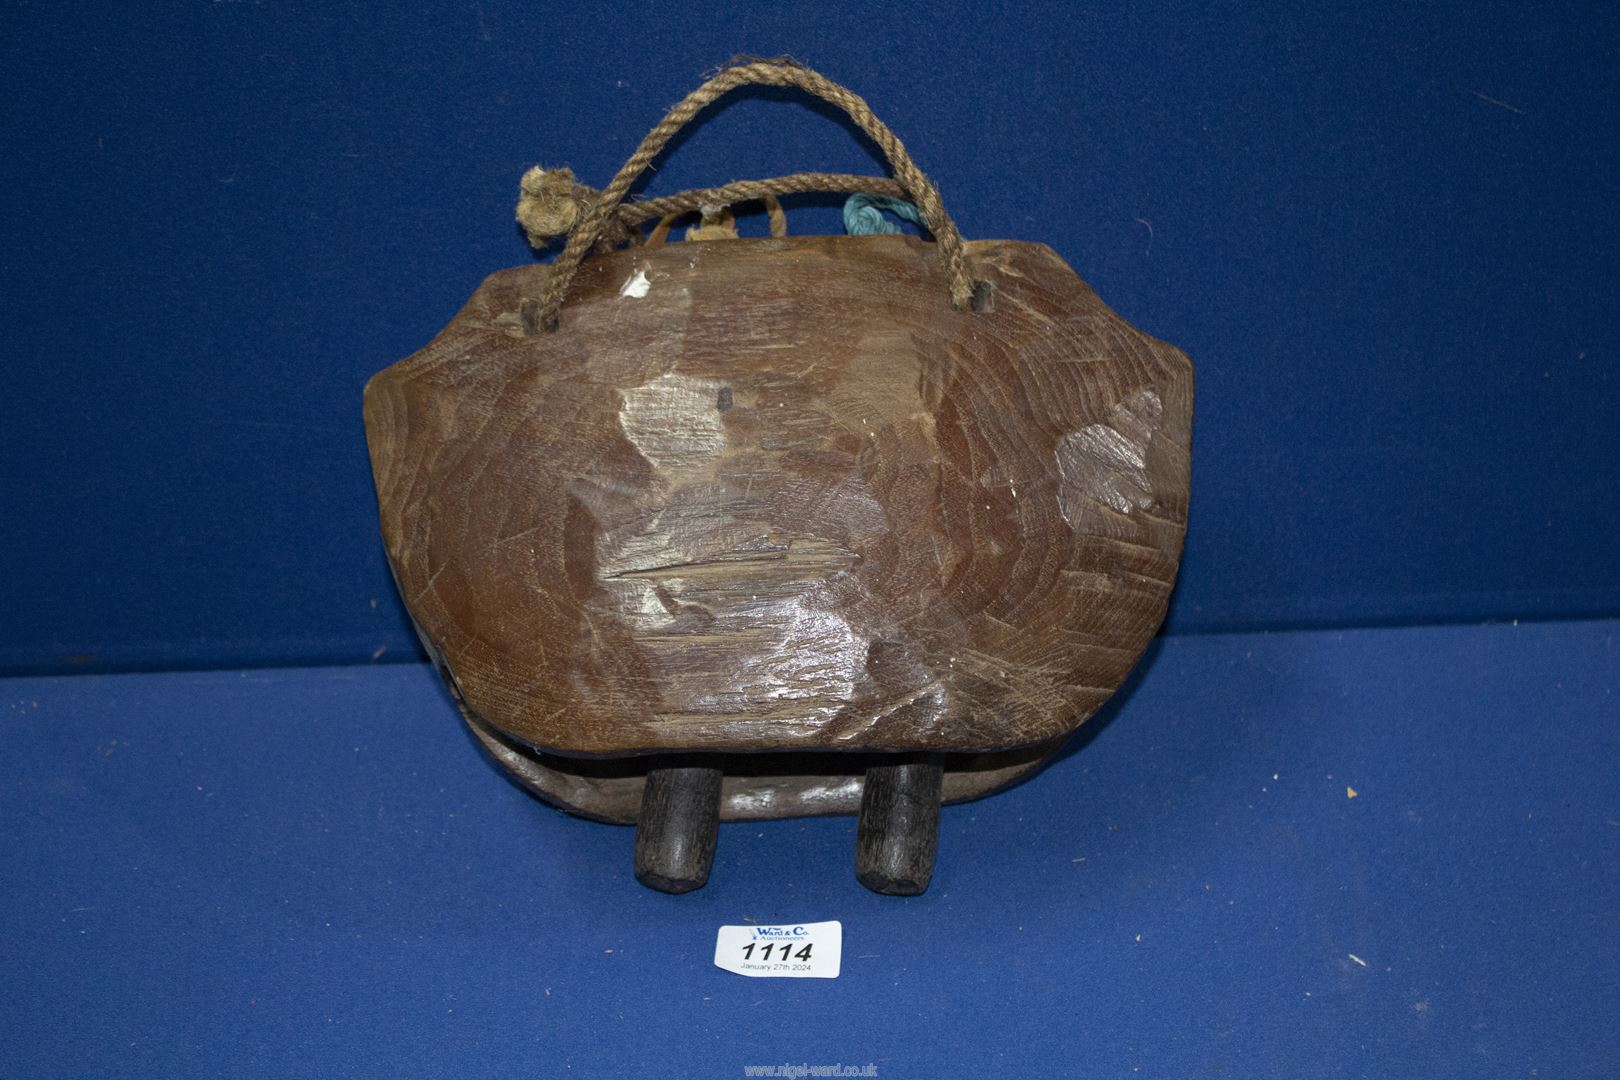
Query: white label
[{"x": 796, "y": 951}]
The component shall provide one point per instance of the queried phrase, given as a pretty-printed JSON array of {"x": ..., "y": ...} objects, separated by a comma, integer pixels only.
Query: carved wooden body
[{"x": 777, "y": 495}]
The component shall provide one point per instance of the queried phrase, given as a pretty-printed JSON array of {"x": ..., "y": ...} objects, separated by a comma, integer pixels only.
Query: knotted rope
[{"x": 553, "y": 203}]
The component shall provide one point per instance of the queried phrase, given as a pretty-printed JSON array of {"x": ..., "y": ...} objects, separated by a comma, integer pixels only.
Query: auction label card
[{"x": 795, "y": 951}]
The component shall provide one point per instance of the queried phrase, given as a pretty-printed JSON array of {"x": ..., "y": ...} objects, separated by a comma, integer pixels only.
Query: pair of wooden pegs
[{"x": 895, "y": 841}]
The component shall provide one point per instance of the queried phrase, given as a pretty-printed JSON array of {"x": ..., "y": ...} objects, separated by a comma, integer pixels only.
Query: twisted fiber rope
[
  {"x": 777, "y": 216},
  {"x": 552, "y": 201},
  {"x": 634, "y": 213},
  {"x": 718, "y": 223},
  {"x": 601, "y": 215}
]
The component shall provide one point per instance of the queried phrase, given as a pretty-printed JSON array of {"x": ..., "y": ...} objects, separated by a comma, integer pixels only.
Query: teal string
[{"x": 863, "y": 214}]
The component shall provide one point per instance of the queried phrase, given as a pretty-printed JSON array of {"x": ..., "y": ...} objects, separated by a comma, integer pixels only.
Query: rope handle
[{"x": 599, "y": 216}]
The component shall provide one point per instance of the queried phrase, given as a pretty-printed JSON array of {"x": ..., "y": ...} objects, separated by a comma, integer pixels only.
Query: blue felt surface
[
  {"x": 1385, "y": 234},
  {"x": 314, "y": 872}
]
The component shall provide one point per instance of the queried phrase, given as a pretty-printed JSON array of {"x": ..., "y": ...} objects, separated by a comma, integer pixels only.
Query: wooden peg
[
  {"x": 898, "y": 833},
  {"x": 675, "y": 834}
]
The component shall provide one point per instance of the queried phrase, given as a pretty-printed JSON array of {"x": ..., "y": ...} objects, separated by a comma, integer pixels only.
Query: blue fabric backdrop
[{"x": 1388, "y": 239}]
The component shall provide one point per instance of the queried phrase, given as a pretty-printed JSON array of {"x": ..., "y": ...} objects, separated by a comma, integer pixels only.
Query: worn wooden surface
[{"x": 786, "y": 500}]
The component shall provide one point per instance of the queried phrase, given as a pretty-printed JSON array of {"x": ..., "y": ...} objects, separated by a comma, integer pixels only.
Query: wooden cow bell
[{"x": 753, "y": 528}]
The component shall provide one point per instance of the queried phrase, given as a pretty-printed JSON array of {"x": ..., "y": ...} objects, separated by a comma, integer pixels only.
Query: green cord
[{"x": 863, "y": 214}]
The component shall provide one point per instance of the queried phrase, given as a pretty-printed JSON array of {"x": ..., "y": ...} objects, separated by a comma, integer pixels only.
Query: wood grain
[{"x": 786, "y": 500}]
